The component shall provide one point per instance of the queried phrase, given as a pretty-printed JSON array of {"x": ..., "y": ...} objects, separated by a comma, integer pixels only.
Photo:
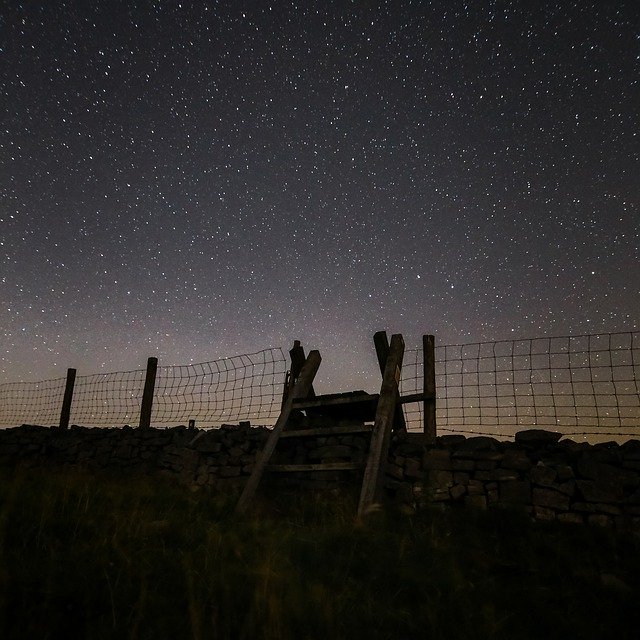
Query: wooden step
[
  {"x": 320, "y": 401},
  {"x": 327, "y": 431},
  {"x": 323, "y": 466}
]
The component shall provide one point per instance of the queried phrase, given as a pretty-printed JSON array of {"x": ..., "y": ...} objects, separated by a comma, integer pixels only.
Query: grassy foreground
[{"x": 93, "y": 556}]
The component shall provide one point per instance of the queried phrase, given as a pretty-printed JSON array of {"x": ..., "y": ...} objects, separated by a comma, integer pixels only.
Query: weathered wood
[
  {"x": 429, "y": 387},
  {"x": 381, "y": 344},
  {"x": 381, "y": 436},
  {"x": 300, "y": 390},
  {"x": 65, "y": 412},
  {"x": 326, "y": 431},
  {"x": 412, "y": 397},
  {"x": 321, "y": 466},
  {"x": 147, "y": 395},
  {"x": 319, "y": 401}
]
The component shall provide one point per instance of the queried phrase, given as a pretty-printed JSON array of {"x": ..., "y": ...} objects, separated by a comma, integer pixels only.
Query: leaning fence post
[
  {"x": 147, "y": 396},
  {"x": 68, "y": 397},
  {"x": 429, "y": 387}
]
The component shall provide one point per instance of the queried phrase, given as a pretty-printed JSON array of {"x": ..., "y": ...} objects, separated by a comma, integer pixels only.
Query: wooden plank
[
  {"x": 379, "y": 447},
  {"x": 429, "y": 388},
  {"x": 381, "y": 344},
  {"x": 326, "y": 431},
  {"x": 300, "y": 390},
  {"x": 320, "y": 402},
  {"x": 321, "y": 466},
  {"x": 412, "y": 397}
]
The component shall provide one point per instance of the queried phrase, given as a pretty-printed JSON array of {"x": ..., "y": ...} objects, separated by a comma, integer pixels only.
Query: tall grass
[{"x": 98, "y": 556}]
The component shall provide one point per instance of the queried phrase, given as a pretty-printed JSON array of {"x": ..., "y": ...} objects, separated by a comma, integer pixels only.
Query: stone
[
  {"x": 571, "y": 517},
  {"x": 475, "y": 487},
  {"x": 437, "y": 459},
  {"x": 565, "y": 472},
  {"x": 461, "y": 464},
  {"x": 542, "y": 475},
  {"x": 543, "y": 513},
  {"x": 515, "y": 492},
  {"x": 476, "y": 444},
  {"x": 440, "y": 478},
  {"x": 497, "y": 475},
  {"x": 607, "y": 473},
  {"x": 476, "y": 501},
  {"x": 460, "y": 477},
  {"x": 550, "y": 498},
  {"x": 593, "y": 491},
  {"x": 450, "y": 440},
  {"x": 516, "y": 460},
  {"x": 457, "y": 491},
  {"x": 537, "y": 437},
  {"x": 413, "y": 470},
  {"x": 599, "y": 520}
]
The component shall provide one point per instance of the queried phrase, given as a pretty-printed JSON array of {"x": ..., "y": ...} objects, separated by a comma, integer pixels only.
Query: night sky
[{"x": 197, "y": 180}]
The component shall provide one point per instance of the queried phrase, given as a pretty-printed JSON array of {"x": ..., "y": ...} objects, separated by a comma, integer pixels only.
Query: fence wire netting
[
  {"x": 244, "y": 387},
  {"x": 581, "y": 386}
]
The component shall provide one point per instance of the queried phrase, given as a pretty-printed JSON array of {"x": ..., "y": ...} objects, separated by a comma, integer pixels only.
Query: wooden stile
[
  {"x": 300, "y": 389},
  {"x": 379, "y": 447},
  {"x": 381, "y": 343}
]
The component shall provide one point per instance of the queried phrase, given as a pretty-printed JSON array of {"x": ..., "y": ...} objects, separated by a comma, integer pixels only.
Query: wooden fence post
[
  {"x": 381, "y": 435},
  {"x": 68, "y": 397},
  {"x": 381, "y": 343},
  {"x": 429, "y": 388},
  {"x": 147, "y": 395}
]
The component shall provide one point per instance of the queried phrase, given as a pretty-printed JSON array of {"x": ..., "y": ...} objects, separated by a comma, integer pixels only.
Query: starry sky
[{"x": 200, "y": 179}]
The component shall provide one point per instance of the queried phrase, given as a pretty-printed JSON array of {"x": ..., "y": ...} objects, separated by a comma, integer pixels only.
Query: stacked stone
[{"x": 551, "y": 480}]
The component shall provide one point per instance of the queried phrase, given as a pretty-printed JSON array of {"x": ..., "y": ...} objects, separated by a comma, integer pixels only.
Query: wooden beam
[
  {"x": 379, "y": 448},
  {"x": 300, "y": 390},
  {"x": 326, "y": 431},
  {"x": 319, "y": 401},
  {"x": 321, "y": 466},
  {"x": 381, "y": 343},
  {"x": 429, "y": 388}
]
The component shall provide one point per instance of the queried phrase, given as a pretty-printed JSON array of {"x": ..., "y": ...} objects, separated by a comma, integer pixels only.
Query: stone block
[
  {"x": 550, "y": 498},
  {"x": 439, "y": 478},
  {"x": 593, "y": 491},
  {"x": 565, "y": 472},
  {"x": 497, "y": 475},
  {"x": 599, "y": 520},
  {"x": 462, "y": 464},
  {"x": 541, "y": 475},
  {"x": 537, "y": 437},
  {"x": 457, "y": 491},
  {"x": 229, "y": 472},
  {"x": 476, "y": 501},
  {"x": 571, "y": 516},
  {"x": 460, "y": 477},
  {"x": 517, "y": 460},
  {"x": 437, "y": 459},
  {"x": 475, "y": 488},
  {"x": 515, "y": 492},
  {"x": 413, "y": 470},
  {"x": 543, "y": 513}
]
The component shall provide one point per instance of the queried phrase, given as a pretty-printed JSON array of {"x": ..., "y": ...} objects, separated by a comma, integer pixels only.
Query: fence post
[
  {"x": 429, "y": 387},
  {"x": 147, "y": 396},
  {"x": 68, "y": 397}
]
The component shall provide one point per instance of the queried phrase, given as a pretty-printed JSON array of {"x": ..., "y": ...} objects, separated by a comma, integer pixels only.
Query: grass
[{"x": 96, "y": 556}]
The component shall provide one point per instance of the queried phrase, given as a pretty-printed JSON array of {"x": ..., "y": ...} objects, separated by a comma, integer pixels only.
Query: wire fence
[
  {"x": 244, "y": 387},
  {"x": 581, "y": 386}
]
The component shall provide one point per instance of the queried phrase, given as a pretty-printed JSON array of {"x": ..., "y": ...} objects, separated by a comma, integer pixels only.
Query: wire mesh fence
[
  {"x": 581, "y": 386},
  {"x": 244, "y": 387}
]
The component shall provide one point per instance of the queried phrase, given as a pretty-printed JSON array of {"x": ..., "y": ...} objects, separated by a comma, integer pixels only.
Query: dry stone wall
[{"x": 550, "y": 479}]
